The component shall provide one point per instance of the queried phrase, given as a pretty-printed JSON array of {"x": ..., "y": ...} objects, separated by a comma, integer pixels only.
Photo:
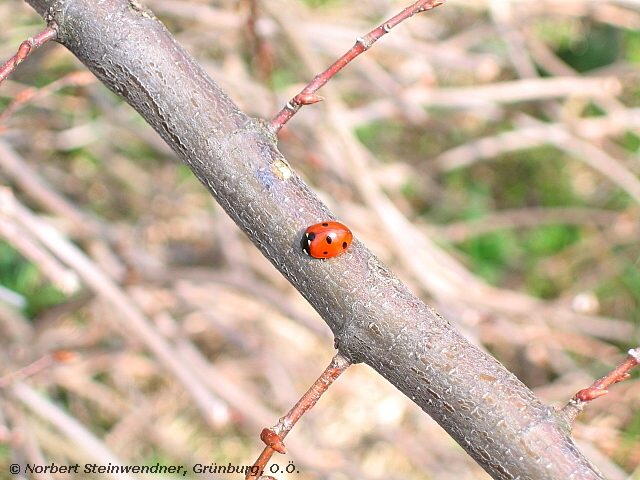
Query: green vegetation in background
[
  {"x": 598, "y": 47},
  {"x": 6, "y": 455},
  {"x": 533, "y": 179},
  {"x": 282, "y": 79},
  {"x": 491, "y": 254},
  {"x": 630, "y": 45},
  {"x": 631, "y": 142},
  {"x": 412, "y": 144},
  {"x": 584, "y": 45},
  {"x": 319, "y": 3},
  {"x": 620, "y": 295},
  {"x": 23, "y": 277},
  {"x": 626, "y": 453}
]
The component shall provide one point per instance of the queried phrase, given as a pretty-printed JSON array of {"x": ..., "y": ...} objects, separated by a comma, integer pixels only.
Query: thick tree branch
[{"x": 374, "y": 317}]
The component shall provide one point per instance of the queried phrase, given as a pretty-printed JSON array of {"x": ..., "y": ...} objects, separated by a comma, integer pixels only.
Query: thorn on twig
[
  {"x": 271, "y": 439},
  {"x": 307, "y": 99},
  {"x": 588, "y": 394}
]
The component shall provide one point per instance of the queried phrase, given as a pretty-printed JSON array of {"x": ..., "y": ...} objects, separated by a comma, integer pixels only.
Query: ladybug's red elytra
[{"x": 326, "y": 239}]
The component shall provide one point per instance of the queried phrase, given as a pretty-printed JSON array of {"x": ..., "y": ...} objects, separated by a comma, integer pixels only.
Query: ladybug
[{"x": 326, "y": 239}]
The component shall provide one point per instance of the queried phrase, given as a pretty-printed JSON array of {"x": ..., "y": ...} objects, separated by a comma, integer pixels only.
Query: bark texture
[{"x": 374, "y": 317}]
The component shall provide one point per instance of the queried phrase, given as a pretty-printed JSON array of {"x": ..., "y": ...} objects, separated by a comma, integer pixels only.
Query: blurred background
[{"x": 486, "y": 151}]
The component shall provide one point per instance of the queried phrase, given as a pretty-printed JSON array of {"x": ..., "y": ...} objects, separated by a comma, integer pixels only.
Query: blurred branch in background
[{"x": 488, "y": 153}]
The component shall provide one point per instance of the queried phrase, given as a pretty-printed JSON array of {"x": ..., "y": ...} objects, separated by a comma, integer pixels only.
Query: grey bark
[{"x": 374, "y": 317}]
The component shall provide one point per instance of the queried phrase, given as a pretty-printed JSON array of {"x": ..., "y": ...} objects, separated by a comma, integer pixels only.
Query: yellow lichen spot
[{"x": 282, "y": 169}]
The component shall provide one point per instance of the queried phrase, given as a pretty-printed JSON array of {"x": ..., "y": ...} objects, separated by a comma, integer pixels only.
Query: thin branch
[
  {"x": 42, "y": 363},
  {"x": 25, "y": 49},
  {"x": 599, "y": 388},
  {"x": 308, "y": 95},
  {"x": 273, "y": 436}
]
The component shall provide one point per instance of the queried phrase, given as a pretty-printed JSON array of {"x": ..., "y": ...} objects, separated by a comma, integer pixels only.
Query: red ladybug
[{"x": 326, "y": 239}]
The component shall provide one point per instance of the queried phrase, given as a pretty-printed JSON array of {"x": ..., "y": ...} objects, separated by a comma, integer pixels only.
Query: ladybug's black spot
[
  {"x": 311, "y": 237},
  {"x": 329, "y": 240},
  {"x": 344, "y": 245},
  {"x": 325, "y": 224}
]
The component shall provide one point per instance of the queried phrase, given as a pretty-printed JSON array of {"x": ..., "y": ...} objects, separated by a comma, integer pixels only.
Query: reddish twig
[
  {"x": 599, "y": 388},
  {"x": 273, "y": 436},
  {"x": 25, "y": 49},
  {"x": 37, "y": 366},
  {"x": 308, "y": 96},
  {"x": 31, "y": 94}
]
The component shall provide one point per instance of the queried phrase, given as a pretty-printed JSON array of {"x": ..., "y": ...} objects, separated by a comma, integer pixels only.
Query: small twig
[
  {"x": 262, "y": 51},
  {"x": 32, "y": 94},
  {"x": 273, "y": 436},
  {"x": 599, "y": 388},
  {"x": 308, "y": 95},
  {"x": 37, "y": 366},
  {"x": 25, "y": 49}
]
